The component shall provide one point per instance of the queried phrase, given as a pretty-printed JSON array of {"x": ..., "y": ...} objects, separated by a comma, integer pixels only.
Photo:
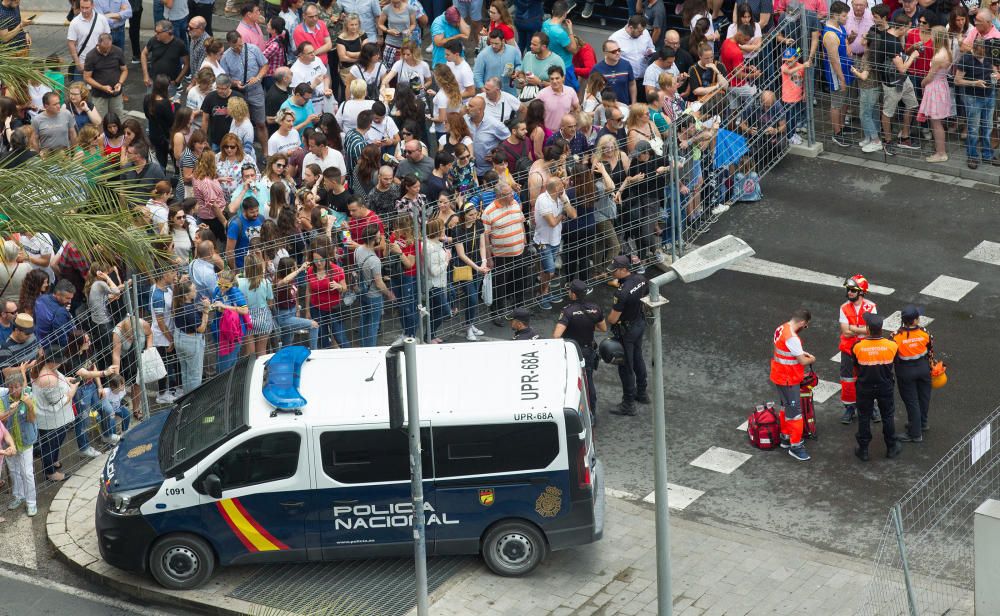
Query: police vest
[
  {"x": 913, "y": 344},
  {"x": 785, "y": 368},
  {"x": 856, "y": 317}
]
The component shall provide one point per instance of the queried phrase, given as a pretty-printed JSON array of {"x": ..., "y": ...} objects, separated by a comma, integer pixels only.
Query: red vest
[
  {"x": 785, "y": 368},
  {"x": 855, "y": 317}
]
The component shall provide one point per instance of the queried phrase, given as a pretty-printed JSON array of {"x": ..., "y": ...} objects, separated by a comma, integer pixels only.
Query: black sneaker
[
  {"x": 906, "y": 438},
  {"x": 626, "y": 409},
  {"x": 888, "y": 148},
  {"x": 839, "y": 140},
  {"x": 895, "y": 450},
  {"x": 643, "y": 398},
  {"x": 907, "y": 144},
  {"x": 849, "y": 130}
]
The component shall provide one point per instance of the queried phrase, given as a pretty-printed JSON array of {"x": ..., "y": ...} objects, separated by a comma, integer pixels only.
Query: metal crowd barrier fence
[{"x": 924, "y": 563}]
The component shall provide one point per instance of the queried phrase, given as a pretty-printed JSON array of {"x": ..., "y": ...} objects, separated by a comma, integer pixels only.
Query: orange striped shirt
[{"x": 505, "y": 227}]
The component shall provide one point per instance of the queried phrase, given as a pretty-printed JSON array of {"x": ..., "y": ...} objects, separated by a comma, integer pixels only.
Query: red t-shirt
[
  {"x": 322, "y": 293},
  {"x": 357, "y": 225},
  {"x": 732, "y": 58},
  {"x": 317, "y": 37},
  {"x": 508, "y": 32},
  {"x": 922, "y": 65}
]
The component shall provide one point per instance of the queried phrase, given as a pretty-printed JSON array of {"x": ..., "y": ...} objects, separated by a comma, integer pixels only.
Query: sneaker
[
  {"x": 111, "y": 440},
  {"x": 799, "y": 453},
  {"x": 849, "y": 130},
  {"x": 864, "y": 142},
  {"x": 643, "y": 398},
  {"x": 848, "y": 416},
  {"x": 626, "y": 409},
  {"x": 475, "y": 330},
  {"x": 136, "y": 60},
  {"x": 876, "y": 416},
  {"x": 571, "y": 4},
  {"x": 176, "y": 392},
  {"x": 839, "y": 140},
  {"x": 57, "y": 476},
  {"x": 720, "y": 209},
  {"x": 508, "y": 316},
  {"x": 906, "y": 438},
  {"x": 588, "y": 10},
  {"x": 972, "y": 163},
  {"x": 164, "y": 398},
  {"x": 14, "y": 504},
  {"x": 32, "y": 510},
  {"x": 937, "y": 158},
  {"x": 795, "y": 140},
  {"x": 786, "y": 442},
  {"x": 888, "y": 148},
  {"x": 872, "y": 146},
  {"x": 90, "y": 452},
  {"x": 545, "y": 305},
  {"x": 907, "y": 144},
  {"x": 471, "y": 335},
  {"x": 862, "y": 453},
  {"x": 895, "y": 450}
]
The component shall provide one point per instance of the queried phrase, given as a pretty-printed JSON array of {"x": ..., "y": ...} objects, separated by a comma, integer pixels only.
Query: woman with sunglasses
[
  {"x": 277, "y": 175},
  {"x": 209, "y": 194},
  {"x": 182, "y": 231},
  {"x": 231, "y": 307},
  {"x": 229, "y": 162}
]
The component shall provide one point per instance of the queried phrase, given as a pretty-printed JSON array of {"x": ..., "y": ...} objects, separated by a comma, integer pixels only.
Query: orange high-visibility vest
[
  {"x": 855, "y": 317},
  {"x": 785, "y": 368},
  {"x": 913, "y": 343}
]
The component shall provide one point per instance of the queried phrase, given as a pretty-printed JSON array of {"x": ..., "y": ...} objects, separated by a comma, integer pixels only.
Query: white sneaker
[
  {"x": 164, "y": 398},
  {"x": 872, "y": 146},
  {"x": 864, "y": 142},
  {"x": 471, "y": 336},
  {"x": 32, "y": 510},
  {"x": 795, "y": 140},
  {"x": 90, "y": 452},
  {"x": 111, "y": 440},
  {"x": 476, "y": 330},
  {"x": 720, "y": 209},
  {"x": 176, "y": 392}
]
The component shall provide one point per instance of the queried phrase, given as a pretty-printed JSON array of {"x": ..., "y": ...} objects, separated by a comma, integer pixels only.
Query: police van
[{"x": 295, "y": 457}]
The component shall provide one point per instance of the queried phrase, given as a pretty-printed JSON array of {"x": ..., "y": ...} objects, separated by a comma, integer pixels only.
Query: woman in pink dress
[{"x": 936, "y": 103}]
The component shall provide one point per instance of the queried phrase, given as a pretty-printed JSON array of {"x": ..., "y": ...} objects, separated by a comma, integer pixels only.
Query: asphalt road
[{"x": 28, "y": 594}]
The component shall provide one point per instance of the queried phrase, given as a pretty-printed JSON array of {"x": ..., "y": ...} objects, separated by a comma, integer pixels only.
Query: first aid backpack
[
  {"x": 808, "y": 407},
  {"x": 763, "y": 427}
]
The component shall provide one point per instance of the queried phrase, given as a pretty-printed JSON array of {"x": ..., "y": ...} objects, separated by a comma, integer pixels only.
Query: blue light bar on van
[{"x": 284, "y": 372}]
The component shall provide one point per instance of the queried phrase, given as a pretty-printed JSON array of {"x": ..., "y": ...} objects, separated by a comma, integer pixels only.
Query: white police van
[{"x": 292, "y": 458}]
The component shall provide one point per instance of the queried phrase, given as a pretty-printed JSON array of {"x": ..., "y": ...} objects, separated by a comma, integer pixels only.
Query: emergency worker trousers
[
  {"x": 913, "y": 378},
  {"x": 867, "y": 397},
  {"x": 633, "y": 371}
]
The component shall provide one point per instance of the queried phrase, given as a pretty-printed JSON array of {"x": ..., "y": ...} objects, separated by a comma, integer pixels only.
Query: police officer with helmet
[
  {"x": 628, "y": 326},
  {"x": 520, "y": 322},
  {"x": 578, "y": 322}
]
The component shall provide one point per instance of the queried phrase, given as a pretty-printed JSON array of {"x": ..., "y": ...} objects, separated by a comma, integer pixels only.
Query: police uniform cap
[
  {"x": 911, "y": 313},
  {"x": 619, "y": 262},
  {"x": 873, "y": 320},
  {"x": 521, "y": 314},
  {"x": 578, "y": 288}
]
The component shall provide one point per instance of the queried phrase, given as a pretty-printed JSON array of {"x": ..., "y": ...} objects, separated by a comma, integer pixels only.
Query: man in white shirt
[
  {"x": 500, "y": 105},
  {"x": 323, "y": 155},
  {"x": 637, "y": 46},
  {"x": 38, "y": 248},
  {"x": 461, "y": 69},
  {"x": 552, "y": 207},
  {"x": 81, "y": 38},
  {"x": 384, "y": 133},
  {"x": 663, "y": 63}
]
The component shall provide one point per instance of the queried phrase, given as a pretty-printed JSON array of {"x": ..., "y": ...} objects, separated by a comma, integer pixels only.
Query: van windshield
[{"x": 208, "y": 416}]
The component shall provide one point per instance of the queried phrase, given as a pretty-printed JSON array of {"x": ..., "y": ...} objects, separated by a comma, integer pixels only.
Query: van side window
[
  {"x": 367, "y": 456},
  {"x": 261, "y": 459},
  {"x": 494, "y": 448}
]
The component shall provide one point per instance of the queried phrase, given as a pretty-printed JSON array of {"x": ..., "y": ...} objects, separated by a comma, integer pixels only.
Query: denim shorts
[
  {"x": 547, "y": 256},
  {"x": 470, "y": 11}
]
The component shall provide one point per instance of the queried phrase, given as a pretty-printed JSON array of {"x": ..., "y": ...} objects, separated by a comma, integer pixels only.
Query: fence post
[
  {"x": 418, "y": 300},
  {"x": 132, "y": 295},
  {"x": 911, "y": 597},
  {"x": 807, "y": 94},
  {"x": 676, "y": 222}
]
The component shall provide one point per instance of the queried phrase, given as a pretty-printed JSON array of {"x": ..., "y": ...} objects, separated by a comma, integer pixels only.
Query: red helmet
[{"x": 857, "y": 281}]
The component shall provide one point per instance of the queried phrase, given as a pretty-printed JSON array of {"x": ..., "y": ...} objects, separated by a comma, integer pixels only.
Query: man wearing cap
[
  {"x": 521, "y": 324},
  {"x": 913, "y": 372},
  {"x": 448, "y": 26},
  {"x": 20, "y": 346},
  {"x": 628, "y": 326},
  {"x": 578, "y": 322},
  {"x": 873, "y": 357}
]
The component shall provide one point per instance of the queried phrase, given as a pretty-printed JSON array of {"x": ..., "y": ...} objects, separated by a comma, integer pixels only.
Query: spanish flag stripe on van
[{"x": 246, "y": 529}]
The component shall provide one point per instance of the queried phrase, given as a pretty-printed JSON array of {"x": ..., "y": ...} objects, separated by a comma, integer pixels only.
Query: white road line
[
  {"x": 985, "y": 252},
  {"x": 622, "y": 494},
  {"x": 678, "y": 497},
  {"x": 836, "y": 357},
  {"x": 753, "y": 265},
  {"x": 720, "y": 460},
  {"x": 823, "y": 391},
  {"x": 742, "y": 426},
  {"x": 949, "y": 288},
  {"x": 80, "y": 593}
]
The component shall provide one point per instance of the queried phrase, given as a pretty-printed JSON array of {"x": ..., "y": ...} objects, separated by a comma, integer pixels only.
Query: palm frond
[
  {"x": 78, "y": 203},
  {"x": 17, "y": 71}
]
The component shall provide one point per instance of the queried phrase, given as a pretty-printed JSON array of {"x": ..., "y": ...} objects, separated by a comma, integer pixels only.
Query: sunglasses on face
[
  {"x": 229, "y": 147},
  {"x": 279, "y": 165}
]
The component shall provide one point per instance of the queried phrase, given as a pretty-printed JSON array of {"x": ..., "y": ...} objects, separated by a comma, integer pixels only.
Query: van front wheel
[
  {"x": 513, "y": 548},
  {"x": 181, "y": 562}
]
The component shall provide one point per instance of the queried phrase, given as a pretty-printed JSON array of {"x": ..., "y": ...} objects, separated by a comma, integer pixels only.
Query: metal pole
[
  {"x": 911, "y": 595},
  {"x": 418, "y": 257},
  {"x": 138, "y": 335},
  {"x": 676, "y": 222},
  {"x": 807, "y": 97},
  {"x": 664, "y": 598},
  {"x": 416, "y": 475}
]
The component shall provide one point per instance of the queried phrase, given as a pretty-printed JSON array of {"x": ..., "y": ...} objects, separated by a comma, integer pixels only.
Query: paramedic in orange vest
[
  {"x": 787, "y": 371},
  {"x": 852, "y": 327},
  {"x": 873, "y": 357},
  {"x": 913, "y": 372}
]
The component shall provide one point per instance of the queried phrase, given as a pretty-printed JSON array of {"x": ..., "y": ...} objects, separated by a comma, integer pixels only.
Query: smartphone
[{"x": 32, "y": 18}]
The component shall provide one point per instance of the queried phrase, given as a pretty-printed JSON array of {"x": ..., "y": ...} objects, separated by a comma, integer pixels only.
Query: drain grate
[{"x": 377, "y": 587}]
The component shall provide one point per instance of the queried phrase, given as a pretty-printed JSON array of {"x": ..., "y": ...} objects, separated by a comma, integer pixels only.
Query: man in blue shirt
[
  {"x": 53, "y": 320},
  {"x": 528, "y": 16},
  {"x": 446, "y": 27},
  {"x": 116, "y": 12},
  {"x": 562, "y": 42},
  {"x": 246, "y": 66},
  {"x": 487, "y": 134},
  {"x": 242, "y": 228},
  {"x": 617, "y": 73},
  {"x": 498, "y": 60}
]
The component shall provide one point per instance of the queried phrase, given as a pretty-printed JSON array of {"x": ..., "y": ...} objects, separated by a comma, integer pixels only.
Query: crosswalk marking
[
  {"x": 823, "y": 391},
  {"x": 678, "y": 497},
  {"x": 760, "y": 267},
  {"x": 985, "y": 252},
  {"x": 949, "y": 288},
  {"x": 743, "y": 426},
  {"x": 720, "y": 460},
  {"x": 622, "y": 494}
]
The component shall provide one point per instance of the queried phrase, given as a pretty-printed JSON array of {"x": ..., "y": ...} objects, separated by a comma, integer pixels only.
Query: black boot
[
  {"x": 642, "y": 398},
  {"x": 862, "y": 453},
  {"x": 626, "y": 408}
]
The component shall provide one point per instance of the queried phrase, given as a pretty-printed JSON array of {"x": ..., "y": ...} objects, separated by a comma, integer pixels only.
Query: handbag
[
  {"x": 461, "y": 273},
  {"x": 487, "y": 291},
  {"x": 528, "y": 93},
  {"x": 152, "y": 366}
]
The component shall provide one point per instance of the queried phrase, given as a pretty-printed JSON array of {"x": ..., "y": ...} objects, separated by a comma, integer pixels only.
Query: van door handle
[
  {"x": 345, "y": 502},
  {"x": 293, "y": 504}
]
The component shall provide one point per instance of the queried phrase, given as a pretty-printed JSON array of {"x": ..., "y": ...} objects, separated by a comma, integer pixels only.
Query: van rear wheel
[
  {"x": 513, "y": 548},
  {"x": 181, "y": 561}
]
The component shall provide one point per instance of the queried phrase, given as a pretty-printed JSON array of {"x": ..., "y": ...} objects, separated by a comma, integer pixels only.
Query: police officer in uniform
[
  {"x": 578, "y": 322},
  {"x": 628, "y": 326},
  {"x": 874, "y": 356},
  {"x": 913, "y": 372},
  {"x": 521, "y": 324}
]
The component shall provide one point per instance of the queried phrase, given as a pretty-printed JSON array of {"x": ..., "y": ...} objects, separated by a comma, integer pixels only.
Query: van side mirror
[{"x": 212, "y": 485}]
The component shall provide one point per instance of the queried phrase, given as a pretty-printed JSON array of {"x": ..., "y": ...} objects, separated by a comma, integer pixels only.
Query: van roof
[{"x": 458, "y": 383}]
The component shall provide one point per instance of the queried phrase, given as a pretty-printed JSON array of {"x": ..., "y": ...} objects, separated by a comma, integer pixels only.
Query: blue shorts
[
  {"x": 547, "y": 256},
  {"x": 470, "y": 11}
]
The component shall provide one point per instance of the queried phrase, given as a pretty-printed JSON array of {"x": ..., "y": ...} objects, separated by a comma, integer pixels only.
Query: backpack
[
  {"x": 763, "y": 428},
  {"x": 808, "y": 408},
  {"x": 747, "y": 187},
  {"x": 518, "y": 163}
]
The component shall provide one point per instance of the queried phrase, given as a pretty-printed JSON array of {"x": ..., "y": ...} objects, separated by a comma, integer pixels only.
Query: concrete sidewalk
[{"x": 716, "y": 570}]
